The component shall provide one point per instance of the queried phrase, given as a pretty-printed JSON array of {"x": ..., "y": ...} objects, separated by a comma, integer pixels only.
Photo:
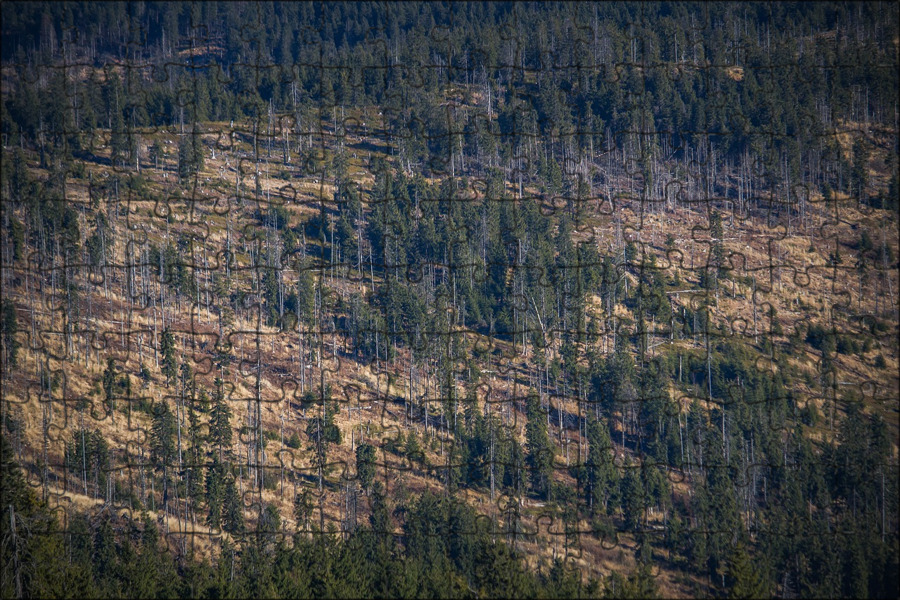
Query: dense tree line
[
  {"x": 441, "y": 550},
  {"x": 660, "y": 78}
]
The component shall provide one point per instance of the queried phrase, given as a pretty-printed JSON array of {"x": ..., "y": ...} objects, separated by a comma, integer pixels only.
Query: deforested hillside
[{"x": 428, "y": 299}]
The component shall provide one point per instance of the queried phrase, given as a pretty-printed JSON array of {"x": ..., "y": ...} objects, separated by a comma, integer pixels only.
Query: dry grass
[{"x": 802, "y": 291}]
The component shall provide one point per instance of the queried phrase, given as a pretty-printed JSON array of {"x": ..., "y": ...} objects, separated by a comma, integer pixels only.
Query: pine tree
[
  {"x": 713, "y": 272},
  {"x": 109, "y": 384},
  {"x": 167, "y": 348},
  {"x": 743, "y": 576},
  {"x": 162, "y": 435},
  {"x": 32, "y": 559},
  {"x": 215, "y": 493},
  {"x": 220, "y": 433},
  {"x": 306, "y": 295},
  {"x": 632, "y": 497},
  {"x": 196, "y": 156},
  {"x": 189, "y": 157},
  {"x": 639, "y": 584},
  {"x": 194, "y": 462},
  {"x": 303, "y": 509},
  {"x": 162, "y": 444},
  {"x": 118, "y": 140},
  {"x": 233, "y": 508},
  {"x": 538, "y": 445},
  {"x": 860, "y": 170},
  {"x": 365, "y": 465},
  {"x": 322, "y": 432},
  {"x": 9, "y": 327},
  {"x": 269, "y": 523},
  {"x": 88, "y": 457},
  {"x": 413, "y": 449},
  {"x": 601, "y": 471}
]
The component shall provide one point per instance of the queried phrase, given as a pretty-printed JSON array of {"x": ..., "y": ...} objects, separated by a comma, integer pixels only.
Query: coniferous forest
[{"x": 449, "y": 299}]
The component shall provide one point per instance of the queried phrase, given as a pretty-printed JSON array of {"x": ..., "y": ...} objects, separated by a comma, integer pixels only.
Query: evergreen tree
[
  {"x": 538, "y": 445},
  {"x": 632, "y": 497},
  {"x": 167, "y": 349},
  {"x": 9, "y": 327},
  {"x": 190, "y": 155},
  {"x": 109, "y": 384},
  {"x": 162, "y": 444},
  {"x": 365, "y": 465},
  {"x": 232, "y": 508},
  {"x": 215, "y": 493},
  {"x": 860, "y": 170},
  {"x": 744, "y": 578},
  {"x": 33, "y": 560},
  {"x": 639, "y": 584},
  {"x": 220, "y": 433},
  {"x": 194, "y": 459},
  {"x": 196, "y": 155},
  {"x": 118, "y": 140},
  {"x": 601, "y": 471},
  {"x": 322, "y": 433},
  {"x": 303, "y": 510},
  {"x": 88, "y": 456}
]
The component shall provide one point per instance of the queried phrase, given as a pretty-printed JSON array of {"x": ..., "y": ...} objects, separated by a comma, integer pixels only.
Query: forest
[{"x": 449, "y": 299}]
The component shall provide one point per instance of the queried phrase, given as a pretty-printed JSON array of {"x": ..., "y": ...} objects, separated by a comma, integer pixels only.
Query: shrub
[
  {"x": 820, "y": 338},
  {"x": 847, "y": 345}
]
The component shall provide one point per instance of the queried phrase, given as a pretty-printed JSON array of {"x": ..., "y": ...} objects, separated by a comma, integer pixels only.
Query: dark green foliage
[
  {"x": 293, "y": 441},
  {"x": 167, "y": 349},
  {"x": 860, "y": 173},
  {"x": 220, "y": 432},
  {"x": 88, "y": 458},
  {"x": 306, "y": 295},
  {"x": 110, "y": 383},
  {"x": 413, "y": 449},
  {"x": 745, "y": 581},
  {"x": 190, "y": 156},
  {"x": 162, "y": 436},
  {"x": 820, "y": 338},
  {"x": 215, "y": 492},
  {"x": 638, "y": 584},
  {"x": 33, "y": 557},
  {"x": 322, "y": 433},
  {"x": 602, "y": 477},
  {"x": 9, "y": 327},
  {"x": 174, "y": 264},
  {"x": 365, "y": 465},
  {"x": 303, "y": 509},
  {"x": 232, "y": 507},
  {"x": 632, "y": 495},
  {"x": 445, "y": 553},
  {"x": 539, "y": 447}
]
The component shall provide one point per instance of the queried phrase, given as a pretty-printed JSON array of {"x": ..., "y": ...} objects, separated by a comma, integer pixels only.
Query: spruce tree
[
  {"x": 109, "y": 384},
  {"x": 215, "y": 493},
  {"x": 365, "y": 465},
  {"x": 632, "y": 497},
  {"x": 745, "y": 581},
  {"x": 167, "y": 349},
  {"x": 303, "y": 509},
  {"x": 233, "y": 508},
  {"x": 9, "y": 327},
  {"x": 539, "y": 447},
  {"x": 601, "y": 471}
]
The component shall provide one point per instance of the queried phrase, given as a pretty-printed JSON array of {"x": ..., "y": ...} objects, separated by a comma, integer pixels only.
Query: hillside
[{"x": 264, "y": 315}]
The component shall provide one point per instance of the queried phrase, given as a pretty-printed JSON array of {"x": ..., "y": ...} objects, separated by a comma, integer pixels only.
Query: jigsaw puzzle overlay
[{"x": 430, "y": 299}]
